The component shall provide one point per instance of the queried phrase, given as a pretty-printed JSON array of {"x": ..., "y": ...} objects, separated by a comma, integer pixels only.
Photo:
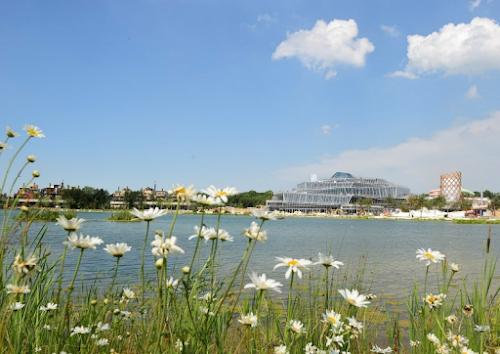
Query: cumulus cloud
[
  {"x": 474, "y": 4},
  {"x": 465, "y": 48},
  {"x": 471, "y": 147},
  {"x": 391, "y": 30},
  {"x": 265, "y": 18},
  {"x": 326, "y": 45},
  {"x": 472, "y": 93},
  {"x": 325, "y": 129}
]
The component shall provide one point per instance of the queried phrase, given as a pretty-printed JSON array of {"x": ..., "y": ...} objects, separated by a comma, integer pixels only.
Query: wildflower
[
  {"x": 50, "y": 307},
  {"x": 452, "y": 319},
  {"x": 207, "y": 201},
  {"x": 31, "y": 158},
  {"x": 171, "y": 283},
  {"x": 479, "y": 328},
  {"x": 38, "y": 349},
  {"x": 262, "y": 283},
  {"x": 16, "y": 306},
  {"x": 281, "y": 349},
  {"x": 4, "y": 146},
  {"x": 297, "y": 327},
  {"x": 125, "y": 314},
  {"x": 183, "y": 194},
  {"x": 11, "y": 133},
  {"x": 205, "y": 310},
  {"x": 207, "y": 297},
  {"x": 79, "y": 330},
  {"x": 468, "y": 310},
  {"x": 33, "y": 131},
  {"x": 82, "y": 242},
  {"x": 148, "y": 215},
  {"x": 310, "y": 348},
  {"x": 179, "y": 345},
  {"x": 339, "y": 340},
  {"x": 454, "y": 267},
  {"x": 35, "y": 174},
  {"x": 332, "y": 318},
  {"x": 430, "y": 256},
  {"x": 69, "y": 225},
  {"x": 25, "y": 209},
  {"x": 465, "y": 350},
  {"x": 128, "y": 294},
  {"x": 162, "y": 247},
  {"x": 377, "y": 349},
  {"x": 328, "y": 261},
  {"x": 205, "y": 232},
  {"x": 186, "y": 270},
  {"x": 414, "y": 343},
  {"x": 293, "y": 265},
  {"x": 17, "y": 289},
  {"x": 100, "y": 327},
  {"x": 353, "y": 323},
  {"x": 433, "y": 339},
  {"x": 102, "y": 342},
  {"x": 435, "y": 301},
  {"x": 223, "y": 235},
  {"x": 248, "y": 320},
  {"x": 255, "y": 233},
  {"x": 457, "y": 339},
  {"x": 24, "y": 267},
  {"x": 371, "y": 297},
  {"x": 442, "y": 348},
  {"x": 118, "y": 249},
  {"x": 354, "y": 298},
  {"x": 159, "y": 263},
  {"x": 265, "y": 215},
  {"x": 220, "y": 193},
  {"x": 47, "y": 327}
]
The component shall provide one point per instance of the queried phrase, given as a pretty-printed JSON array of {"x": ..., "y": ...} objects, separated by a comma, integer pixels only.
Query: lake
[{"x": 389, "y": 246}]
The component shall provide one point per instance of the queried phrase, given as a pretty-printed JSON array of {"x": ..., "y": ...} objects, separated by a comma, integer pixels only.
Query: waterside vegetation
[{"x": 201, "y": 309}]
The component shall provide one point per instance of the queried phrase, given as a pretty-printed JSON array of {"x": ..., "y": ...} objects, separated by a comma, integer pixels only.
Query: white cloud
[
  {"x": 474, "y": 4},
  {"x": 265, "y": 18},
  {"x": 472, "y": 93},
  {"x": 465, "y": 48},
  {"x": 417, "y": 163},
  {"x": 325, "y": 129},
  {"x": 404, "y": 74},
  {"x": 326, "y": 45},
  {"x": 391, "y": 30},
  {"x": 331, "y": 74}
]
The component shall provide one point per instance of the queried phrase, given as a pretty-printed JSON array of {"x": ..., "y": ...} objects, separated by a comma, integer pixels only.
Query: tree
[
  {"x": 495, "y": 204},
  {"x": 438, "y": 202}
]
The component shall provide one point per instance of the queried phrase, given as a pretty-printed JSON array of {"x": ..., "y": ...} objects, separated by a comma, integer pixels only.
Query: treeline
[
  {"x": 86, "y": 198},
  {"x": 249, "y": 199}
]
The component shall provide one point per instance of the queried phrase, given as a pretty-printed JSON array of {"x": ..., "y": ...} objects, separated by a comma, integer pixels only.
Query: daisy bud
[
  {"x": 25, "y": 209},
  {"x": 35, "y": 174},
  {"x": 159, "y": 263},
  {"x": 31, "y": 158},
  {"x": 186, "y": 270},
  {"x": 93, "y": 302},
  {"x": 116, "y": 311},
  {"x": 106, "y": 301}
]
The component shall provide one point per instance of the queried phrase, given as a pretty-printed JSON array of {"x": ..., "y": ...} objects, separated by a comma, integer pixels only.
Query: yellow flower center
[
  {"x": 432, "y": 299},
  {"x": 429, "y": 255},
  {"x": 180, "y": 191},
  {"x": 32, "y": 132},
  {"x": 292, "y": 262},
  {"x": 352, "y": 301},
  {"x": 332, "y": 319}
]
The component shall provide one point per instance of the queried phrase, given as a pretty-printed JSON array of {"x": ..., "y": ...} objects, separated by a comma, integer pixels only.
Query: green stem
[{"x": 141, "y": 274}]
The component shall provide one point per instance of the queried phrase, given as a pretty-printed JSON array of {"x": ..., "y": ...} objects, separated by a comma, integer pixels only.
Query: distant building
[
  {"x": 450, "y": 185},
  {"x": 341, "y": 191}
]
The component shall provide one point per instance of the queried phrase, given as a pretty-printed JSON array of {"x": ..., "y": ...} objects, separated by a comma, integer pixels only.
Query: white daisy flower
[
  {"x": 171, "y": 283},
  {"x": 332, "y": 318},
  {"x": 50, "y": 307},
  {"x": 281, "y": 349},
  {"x": 310, "y": 348},
  {"x": 214, "y": 192},
  {"x": 248, "y": 320},
  {"x": 72, "y": 224},
  {"x": 183, "y": 194},
  {"x": 16, "y": 306},
  {"x": 479, "y": 328},
  {"x": 297, "y": 327},
  {"x": 11, "y": 133},
  {"x": 294, "y": 265},
  {"x": 82, "y": 242},
  {"x": 430, "y": 256},
  {"x": 265, "y": 215},
  {"x": 433, "y": 339},
  {"x": 434, "y": 301},
  {"x": 79, "y": 330},
  {"x": 377, "y": 349},
  {"x": 328, "y": 261},
  {"x": 100, "y": 327},
  {"x": 163, "y": 246},
  {"x": 17, "y": 289},
  {"x": 148, "y": 215},
  {"x": 4, "y": 146},
  {"x": 102, "y": 342},
  {"x": 128, "y": 294},
  {"x": 207, "y": 233},
  {"x": 33, "y": 131},
  {"x": 118, "y": 249},
  {"x": 262, "y": 283},
  {"x": 254, "y": 233},
  {"x": 206, "y": 200},
  {"x": 354, "y": 298},
  {"x": 24, "y": 267}
]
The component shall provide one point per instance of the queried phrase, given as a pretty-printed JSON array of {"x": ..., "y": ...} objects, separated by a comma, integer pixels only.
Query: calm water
[{"x": 389, "y": 246}]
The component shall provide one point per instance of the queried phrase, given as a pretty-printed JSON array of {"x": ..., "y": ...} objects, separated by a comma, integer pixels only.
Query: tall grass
[{"x": 315, "y": 307}]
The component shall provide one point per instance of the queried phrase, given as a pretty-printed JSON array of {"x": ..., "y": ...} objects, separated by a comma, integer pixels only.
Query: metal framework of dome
[{"x": 341, "y": 191}]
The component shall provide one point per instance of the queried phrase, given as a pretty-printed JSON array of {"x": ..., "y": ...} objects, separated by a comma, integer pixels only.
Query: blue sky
[{"x": 253, "y": 94}]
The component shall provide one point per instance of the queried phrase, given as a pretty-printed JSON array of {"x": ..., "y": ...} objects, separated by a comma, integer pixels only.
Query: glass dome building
[{"x": 342, "y": 191}]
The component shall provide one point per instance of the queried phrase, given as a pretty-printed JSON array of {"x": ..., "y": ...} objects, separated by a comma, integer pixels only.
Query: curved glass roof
[{"x": 342, "y": 175}]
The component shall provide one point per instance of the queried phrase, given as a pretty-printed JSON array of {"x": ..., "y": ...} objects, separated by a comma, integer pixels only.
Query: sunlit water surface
[{"x": 388, "y": 247}]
